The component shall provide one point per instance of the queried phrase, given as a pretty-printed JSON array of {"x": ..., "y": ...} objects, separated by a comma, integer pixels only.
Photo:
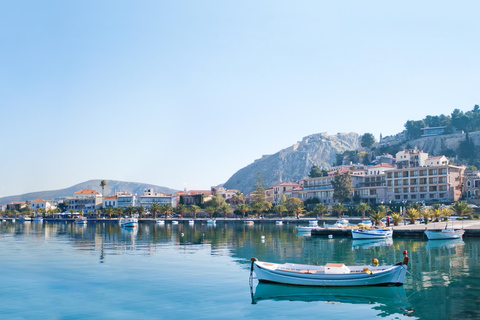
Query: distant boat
[
  {"x": 128, "y": 222},
  {"x": 174, "y": 222},
  {"x": 372, "y": 234},
  {"x": 24, "y": 218},
  {"x": 37, "y": 219},
  {"x": 329, "y": 275},
  {"x": 342, "y": 223},
  {"x": 211, "y": 222},
  {"x": 366, "y": 223},
  {"x": 444, "y": 234},
  {"x": 191, "y": 222},
  {"x": 81, "y": 220},
  {"x": 158, "y": 221},
  {"x": 279, "y": 223},
  {"x": 249, "y": 223}
]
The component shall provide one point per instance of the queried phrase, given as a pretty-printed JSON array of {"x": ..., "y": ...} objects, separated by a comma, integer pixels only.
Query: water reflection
[
  {"x": 368, "y": 243},
  {"x": 386, "y": 300},
  {"x": 449, "y": 244}
]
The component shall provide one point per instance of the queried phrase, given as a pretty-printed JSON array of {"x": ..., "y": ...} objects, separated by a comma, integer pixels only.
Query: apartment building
[
  {"x": 471, "y": 184},
  {"x": 149, "y": 197},
  {"x": 40, "y": 204},
  {"x": 278, "y": 190},
  {"x": 85, "y": 200}
]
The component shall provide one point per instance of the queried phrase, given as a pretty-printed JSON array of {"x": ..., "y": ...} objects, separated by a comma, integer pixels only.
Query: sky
[{"x": 185, "y": 93}]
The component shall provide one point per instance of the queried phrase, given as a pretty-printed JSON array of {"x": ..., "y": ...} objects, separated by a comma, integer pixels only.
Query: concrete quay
[{"x": 471, "y": 227}]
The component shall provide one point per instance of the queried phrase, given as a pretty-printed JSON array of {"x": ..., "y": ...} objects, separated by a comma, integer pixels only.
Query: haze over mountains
[{"x": 112, "y": 185}]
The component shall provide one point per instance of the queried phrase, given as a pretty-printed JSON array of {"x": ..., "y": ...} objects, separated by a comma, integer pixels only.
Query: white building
[
  {"x": 125, "y": 199},
  {"x": 110, "y": 202},
  {"x": 85, "y": 200},
  {"x": 40, "y": 204},
  {"x": 149, "y": 197}
]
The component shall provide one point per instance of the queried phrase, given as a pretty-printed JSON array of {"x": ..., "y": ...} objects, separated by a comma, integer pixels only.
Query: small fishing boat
[
  {"x": 279, "y": 223},
  {"x": 211, "y": 222},
  {"x": 158, "y": 221},
  {"x": 81, "y": 220},
  {"x": 129, "y": 222},
  {"x": 342, "y": 223},
  {"x": 372, "y": 234},
  {"x": 444, "y": 234},
  {"x": 331, "y": 274},
  {"x": 366, "y": 223},
  {"x": 24, "y": 218}
]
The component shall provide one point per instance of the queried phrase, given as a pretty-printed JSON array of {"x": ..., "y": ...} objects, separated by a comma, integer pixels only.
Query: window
[{"x": 469, "y": 183}]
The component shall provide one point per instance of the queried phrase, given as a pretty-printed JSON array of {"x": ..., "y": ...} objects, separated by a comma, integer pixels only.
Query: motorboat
[
  {"x": 211, "y": 222},
  {"x": 279, "y": 223},
  {"x": 249, "y": 223},
  {"x": 159, "y": 221},
  {"x": 129, "y": 222},
  {"x": 191, "y": 222},
  {"x": 37, "y": 219},
  {"x": 329, "y": 275},
  {"x": 24, "y": 218},
  {"x": 174, "y": 222},
  {"x": 81, "y": 220},
  {"x": 444, "y": 234},
  {"x": 341, "y": 223},
  {"x": 372, "y": 233}
]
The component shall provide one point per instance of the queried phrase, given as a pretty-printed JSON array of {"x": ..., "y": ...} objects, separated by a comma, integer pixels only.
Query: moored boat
[
  {"x": 444, "y": 234},
  {"x": 279, "y": 223},
  {"x": 128, "y": 222},
  {"x": 81, "y": 220},
  {"x": 37, "y": 219},
  {"x": 372, "y": 234},
  {"x": 24, "y": 218},
  {"x": 248, "y": 223},
  {"x": 191, "y": 222},
  {"x": 211, "y": 222},
  {"x": 158, "y": 221},
  {"x": 174, "y": 222},
  {"x": 331, "y": 274}
]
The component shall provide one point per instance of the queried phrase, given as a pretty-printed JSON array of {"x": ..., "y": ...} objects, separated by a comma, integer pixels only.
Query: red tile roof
[
  {"x": 382, "y": 165},
  {"x": 38, "y": 200},
  {"x": 86, "y": 191},
  {"x": 112, "y": 197}
]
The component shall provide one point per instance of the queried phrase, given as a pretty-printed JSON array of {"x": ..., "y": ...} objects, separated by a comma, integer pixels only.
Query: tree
[
  {"x": 461, "y": 208},
  {"x": 317, "y": 172},
  {"x": 217, "y": 202},
  {"x": 140, "y": 210},
  {"x": 166, "y": 209},
  {"x": 181, "y": 209},
  {"x": 378, "y": 215},
  {"x": 412, "y": 214},
  {"x": 279, "y": 209},
  {"x": 154, "y": 209},
  {"x": 103, "y": 184},
  {"x": 258, "y": 208},
  {"x": 339, "y": 208},
  {"x": 396, "y": 217},
  {"x": 368, "y": 140},
  {"x": 226, "y": 209},
  {"x": 129, "y": 210},
  {"x": 211, "y": 211},
  {"x": 414, "y": 129},
  {"x": 194, "y": 209},
  {"x": 320, "y": 209},
  {"x": 258, "y": 196},
  {"x": 362, "y": 208},
  {"x": 283, "y": 200},
  {"x": 109, "y": 211},
  {"x": 243, "y": 209},
  {"x": 292, "y": 204},
  {"x": 342, "y": 187}
]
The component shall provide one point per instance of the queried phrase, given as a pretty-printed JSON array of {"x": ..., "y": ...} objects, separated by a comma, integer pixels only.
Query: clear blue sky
[{"x": 185, "y": 93}]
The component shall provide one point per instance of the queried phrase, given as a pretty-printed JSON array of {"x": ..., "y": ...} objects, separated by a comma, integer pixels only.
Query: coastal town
[{"x": 411, "y": 176}]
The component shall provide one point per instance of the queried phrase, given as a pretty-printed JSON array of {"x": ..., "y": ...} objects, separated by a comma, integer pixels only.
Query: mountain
[
  {"x": 112, "y": 185},
  {"x": 295, "y": 162}
]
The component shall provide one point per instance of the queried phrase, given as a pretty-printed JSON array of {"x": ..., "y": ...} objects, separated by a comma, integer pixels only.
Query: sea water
[{"x": 103, "y": 271}]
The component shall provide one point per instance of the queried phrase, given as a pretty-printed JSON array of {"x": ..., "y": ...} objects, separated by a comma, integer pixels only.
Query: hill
[
  {"x": 112, "y": 185},
  {"x": 295, "y": 162}
]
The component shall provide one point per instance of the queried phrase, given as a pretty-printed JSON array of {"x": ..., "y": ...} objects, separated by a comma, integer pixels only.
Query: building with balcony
[
  {"x": 85, "y": 201},
  {"x": 471, "y": 184},
  {"x": 150, "y": 197},
  {"x": 125, "y": 199},
  {"x": 40, "y": 204},
  {"x": 280, "y": 189}
]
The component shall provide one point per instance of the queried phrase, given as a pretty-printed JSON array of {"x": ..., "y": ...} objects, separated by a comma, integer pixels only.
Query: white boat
[
  {"x": 279, "y": 223},
  {"x": 158, "y": 221},
  {"x": 24, "y": 218},
  {"x": 81, "y": 220},
  {"x": 307, "y": 229},
  {"x": 366, "y": 223},
  {"x": 249, "y": 223},
  {"x": 37, "y": 219},
  {"x": 342, "y": 223},
  {"x": 329, "y": 275},
  {"x": 13, "y": 220},
  {"x": 191, "y": 222},
  {"x": 444, "y": 234},
  {"x": 129, "y": 222},
  {"x": 211, "y": 222},
  {"x": 372, "y": 234},
  {"x": 174, "y": 222}
]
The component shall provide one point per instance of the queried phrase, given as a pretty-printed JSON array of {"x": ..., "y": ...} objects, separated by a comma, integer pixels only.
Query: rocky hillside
[
  {"x": 112, "y": 185},
  {"x": 295, "y": 162},
  {"x": 436, "y": 145}
]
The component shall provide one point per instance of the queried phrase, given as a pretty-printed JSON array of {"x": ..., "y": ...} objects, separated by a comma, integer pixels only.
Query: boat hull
[
  {"x": 444, "y": 235},
  {"x": 371, "y": 234},
  {"x": 128, "y": 222},
  {"x": 309, "y": 275}
]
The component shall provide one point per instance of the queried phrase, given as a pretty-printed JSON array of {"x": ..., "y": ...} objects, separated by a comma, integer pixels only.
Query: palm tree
[
  {"x": 181, "y": 209},
  {"x": 166, "y": 209},
  {"x": 194, "y": 209},
  {"x": 119, "y": 211},
  {"x": 258, "y": 208},
  {"x": 243, "y": 209},
  {"x": 140, "y": 210},
  {"x": 103, "y": 184},
  {"x": 412, "y": 214},
  {"x": 377, "y": 215},
  {"x": 155, "y": 208},
  {"x": 461, "y": 208},
  {"x": 396, "y": 217},
  {"x": 298, "y": 211},
  {"x": 225, "y": 209},
  {"x": 446, "y": 212},
  {"x": 320, "y": 209},
  {"x": 425, "y": 213},
  {"x": 339, "y": 208},
  {"x": 436, "y": 213},
  {"x": 109, "y": 211},
  {"x": 211, "y": 211},
  {"x": 362, "y": 208},
  {"x": 279, "y": 209},
  {"x": 130, "y": 210}
]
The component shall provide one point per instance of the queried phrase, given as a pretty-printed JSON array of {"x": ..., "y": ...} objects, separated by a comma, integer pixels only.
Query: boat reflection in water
[
  {"x": 449, "y": 244},
  {"x": 387, "y": 300},
  {"x": 368, "y": 243}
]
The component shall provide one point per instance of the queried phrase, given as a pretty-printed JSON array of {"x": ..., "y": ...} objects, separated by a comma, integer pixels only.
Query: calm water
[{"x": 101, "y": 271}]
